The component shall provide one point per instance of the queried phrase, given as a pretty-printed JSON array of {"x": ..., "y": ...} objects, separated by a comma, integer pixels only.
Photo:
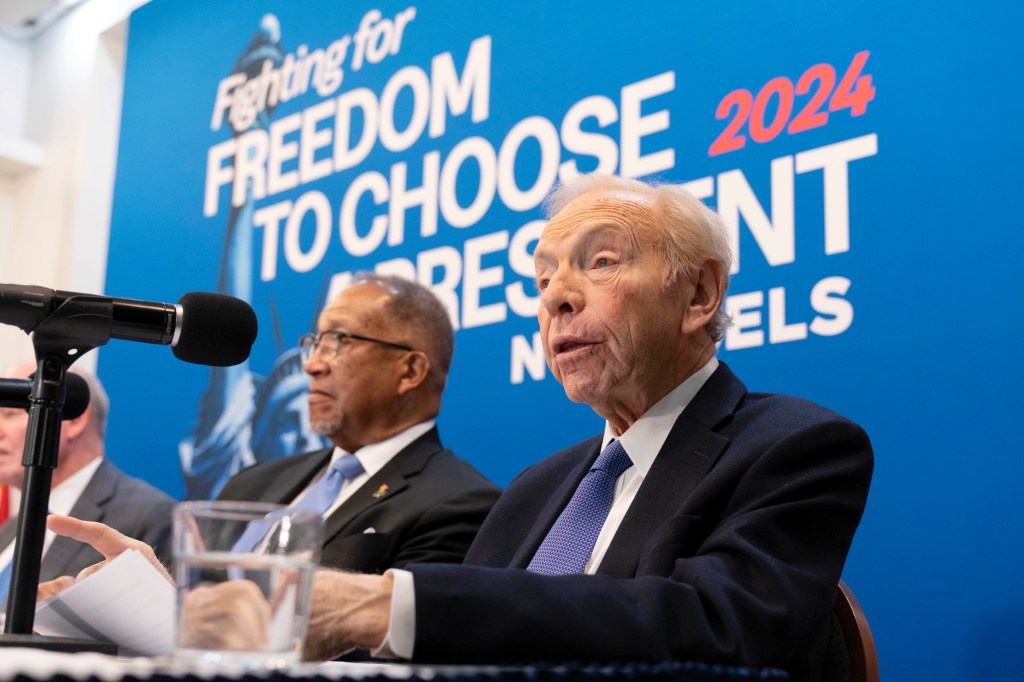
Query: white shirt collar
[
  {"x": 64, "y": 496},
  {"x": 645, "y": 437},
  {"x": 373, "y": 457}
]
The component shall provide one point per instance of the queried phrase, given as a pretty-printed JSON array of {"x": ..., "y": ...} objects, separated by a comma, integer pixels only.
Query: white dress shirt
[
  {"x": 62, "y": 499},
  {"x": 642, "y": 441}
]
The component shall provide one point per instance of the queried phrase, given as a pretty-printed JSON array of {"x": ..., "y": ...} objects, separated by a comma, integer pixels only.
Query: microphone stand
[{"x": 76, "y": 327}]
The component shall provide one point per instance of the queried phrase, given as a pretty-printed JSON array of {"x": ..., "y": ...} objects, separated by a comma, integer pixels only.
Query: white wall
[
  {"x": 15, "y": 57},
  {"x": 61, "y": 98}
]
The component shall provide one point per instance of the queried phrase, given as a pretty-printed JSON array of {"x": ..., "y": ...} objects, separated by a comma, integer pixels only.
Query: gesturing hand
[{"x": 103, "y": 539}]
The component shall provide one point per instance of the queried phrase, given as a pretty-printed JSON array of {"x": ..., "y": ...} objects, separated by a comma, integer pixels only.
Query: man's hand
[
  {"x": 228, "y": 616},
  {"x": 104, "y": 540},
  {"x": 350, "y": 611},
  {"x": 52, "y": 587}
]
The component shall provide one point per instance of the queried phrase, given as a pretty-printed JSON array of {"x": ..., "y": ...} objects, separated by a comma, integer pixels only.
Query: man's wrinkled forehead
[
  {"x": 358, "y": 304},
  {"x": 20, "y": 371},
  {"x": 337, "y": 315},
  {"x": 632, "y": 212}
]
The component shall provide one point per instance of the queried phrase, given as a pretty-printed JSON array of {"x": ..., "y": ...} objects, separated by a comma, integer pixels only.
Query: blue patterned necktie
[
  {"x": 570, "y": 542},
  {"x": 317, "y": 500}
]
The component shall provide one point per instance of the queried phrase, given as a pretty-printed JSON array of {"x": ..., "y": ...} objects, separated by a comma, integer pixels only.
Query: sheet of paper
[{"x": 127, "y": 602}]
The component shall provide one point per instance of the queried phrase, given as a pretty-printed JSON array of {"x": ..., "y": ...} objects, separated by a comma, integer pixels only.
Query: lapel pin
[{"x": 381, "y": 491}]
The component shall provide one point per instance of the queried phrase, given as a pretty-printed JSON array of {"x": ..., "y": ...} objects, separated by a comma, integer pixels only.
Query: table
[{"x": 35, "y": 665}]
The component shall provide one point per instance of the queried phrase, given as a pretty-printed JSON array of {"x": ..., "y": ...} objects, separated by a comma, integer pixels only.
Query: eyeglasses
[{"x": 329, "y": 342}]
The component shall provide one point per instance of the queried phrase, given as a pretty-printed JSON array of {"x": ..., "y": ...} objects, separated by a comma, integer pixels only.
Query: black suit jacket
[
  {"x": 430, "y": 510},
  {"x": 126, "y": 504},
  {"x": 730, "y": 552}
]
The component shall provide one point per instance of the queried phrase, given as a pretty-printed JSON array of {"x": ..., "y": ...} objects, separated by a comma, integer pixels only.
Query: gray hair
[
  {"x": 99, "y": 402},
  {"x": 415, "y": 305},
  {"x": 692, "y": 233}
]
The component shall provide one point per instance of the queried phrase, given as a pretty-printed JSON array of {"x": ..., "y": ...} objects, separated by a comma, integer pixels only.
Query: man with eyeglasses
[{"x": 389, "y": 492}]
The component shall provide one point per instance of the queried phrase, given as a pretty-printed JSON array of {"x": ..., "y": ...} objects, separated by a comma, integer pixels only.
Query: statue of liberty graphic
[{"x": 243, "y": 417}]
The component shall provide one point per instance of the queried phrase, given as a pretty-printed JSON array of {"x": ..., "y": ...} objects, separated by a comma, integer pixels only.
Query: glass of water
[{"x": 244, "y": 572}]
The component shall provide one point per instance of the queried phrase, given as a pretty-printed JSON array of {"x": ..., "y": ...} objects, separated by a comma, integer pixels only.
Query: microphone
[
  {"x": 202, "y": 328},
  {"x": 15, "y": 393}
]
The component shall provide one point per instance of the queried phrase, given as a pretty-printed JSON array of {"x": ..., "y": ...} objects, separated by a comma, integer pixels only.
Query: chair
[{"x": 860, "y": 645}]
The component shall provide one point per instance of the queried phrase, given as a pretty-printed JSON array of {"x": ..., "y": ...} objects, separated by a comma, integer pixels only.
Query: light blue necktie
[
  {"x": 5, "y": 581},
  {"x": 570, "y": 542},
  {"x": 321, "y": 496},
  {"x": 317, "y": 500}
]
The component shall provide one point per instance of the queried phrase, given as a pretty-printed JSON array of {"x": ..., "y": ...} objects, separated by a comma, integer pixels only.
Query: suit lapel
[
  {"x": 688, "y": 454},
  {"x": 8, "y": 531},
  {"x": 91, "y": 505},
  {"x": 293, "y": 479},
  {"x": 386, "y": 484},
  {"x": 586, "y": 452}
]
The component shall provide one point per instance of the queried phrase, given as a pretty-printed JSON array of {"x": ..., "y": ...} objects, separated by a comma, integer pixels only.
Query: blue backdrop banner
[{"x": 863, "y": 155}]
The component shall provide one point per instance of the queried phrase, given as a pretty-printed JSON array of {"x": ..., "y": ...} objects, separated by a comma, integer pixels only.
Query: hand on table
[
  {"x": 350, "y": 611},
  {"x": 228, "y": 616}
]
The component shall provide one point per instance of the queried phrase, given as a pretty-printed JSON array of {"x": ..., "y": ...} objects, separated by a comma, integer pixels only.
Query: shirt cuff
[{"x": 401, "y": 636}]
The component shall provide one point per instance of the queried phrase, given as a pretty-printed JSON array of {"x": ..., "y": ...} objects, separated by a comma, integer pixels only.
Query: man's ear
[
  {"x": 71, "y": 429},
  {"x": 708, "y": 289},
  {"x": 415, "y": 370}
]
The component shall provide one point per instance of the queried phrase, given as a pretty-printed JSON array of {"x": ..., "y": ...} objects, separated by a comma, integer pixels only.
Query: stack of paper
[{"x": 127, "y": 602}]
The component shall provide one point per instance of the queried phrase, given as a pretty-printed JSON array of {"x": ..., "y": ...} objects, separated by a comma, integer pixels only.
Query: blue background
[{"x": 929, "y": 366}]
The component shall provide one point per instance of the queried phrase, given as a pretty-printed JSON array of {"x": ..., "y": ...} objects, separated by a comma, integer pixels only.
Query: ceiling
[{"x": 25, "y": 19}]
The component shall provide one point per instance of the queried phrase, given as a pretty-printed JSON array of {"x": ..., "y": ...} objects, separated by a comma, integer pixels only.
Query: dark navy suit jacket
[
  {"x": 730, "y": 552},
  {"x": 425, "y": 504}
]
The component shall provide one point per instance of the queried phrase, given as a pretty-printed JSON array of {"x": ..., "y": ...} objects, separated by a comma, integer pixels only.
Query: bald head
[{"x": 81, "y": 439}]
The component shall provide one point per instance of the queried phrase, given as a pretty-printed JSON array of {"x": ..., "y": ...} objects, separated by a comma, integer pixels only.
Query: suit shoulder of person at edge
[{"x": 452, "y": 464}]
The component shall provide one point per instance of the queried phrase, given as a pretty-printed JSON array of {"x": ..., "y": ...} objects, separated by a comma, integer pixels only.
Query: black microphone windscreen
[
  {"x": 216, "y": 329},
  {"x": 16, "y": 393},
  {"x": 77, "y": 397}
]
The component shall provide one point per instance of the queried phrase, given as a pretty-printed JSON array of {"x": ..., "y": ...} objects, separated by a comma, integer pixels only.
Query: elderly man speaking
[{"x": 706, "y": 523}]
